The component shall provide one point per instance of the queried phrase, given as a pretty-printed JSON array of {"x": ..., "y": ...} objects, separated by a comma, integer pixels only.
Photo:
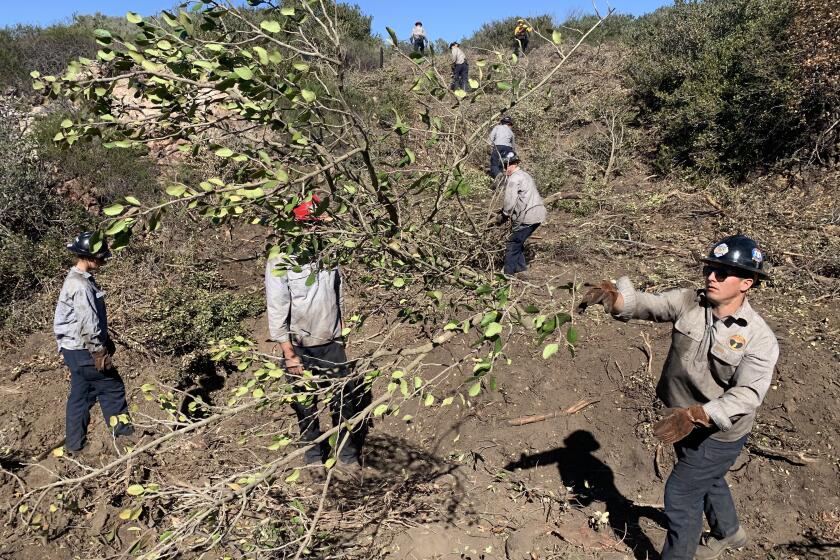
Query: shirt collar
[
  {"x": 82, "y": 272},
  {"x": 742, "y": 316}
]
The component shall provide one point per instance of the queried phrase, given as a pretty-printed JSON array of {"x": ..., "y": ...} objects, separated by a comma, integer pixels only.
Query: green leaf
[
  {"x": 429, "y": 400},
  {"x": 133, "y": 18},
  {"x": 492, "y": 330},
  {"x": 394, "y": 40},
  {"x": 556, "y": 37},
  {"x": 503, "y": 85},
  {"x": 117, "y": 227},
  {"x": 66, "y": 123},
  {"x": 473, "y": 83},
  {"x": 447, "y": 401},
  {"x": 262, "y": 54},
  {"x": 549, "y": 351},
  {"x": 460, "y": 94},
  {"x": 258, "y": 393},
  {"x": 133, "y": 201},
  {"x": 398, "y": 282},
  {"x": 288, "y": 11},
  {"x": 135, "y": 490},
  {"x": 270, "y": 25},
  {"x": 380, "y": 410},
  {"x": 113, "y": 210},
  {"x": 293, "y": 477},
  {"x": 243, "y": 72},
  {"x": 308, "y": 95},
  {"x": 572, "y": 335},
  {"x": 475, "y": 389},
  {"x": 224, "y": 152},
  {"x": 176, "y": 190}
]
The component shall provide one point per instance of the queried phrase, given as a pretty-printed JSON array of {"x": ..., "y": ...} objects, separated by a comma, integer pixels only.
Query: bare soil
[{"x": 459, "y": 481}]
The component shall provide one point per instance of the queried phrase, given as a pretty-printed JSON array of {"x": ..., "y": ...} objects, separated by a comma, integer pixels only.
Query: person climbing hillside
[
  {"x": 521, "y": 36},
  {"x": 524, "y": 207},
  {"x": 305, "y": 302},
  {"x": 460, "y": 68},
  {"x": 502, "y": 142},
  {"x": 80, "y": 326},
  {"x": 418, "y": 38},
  {"x": 719, "y": 368}
]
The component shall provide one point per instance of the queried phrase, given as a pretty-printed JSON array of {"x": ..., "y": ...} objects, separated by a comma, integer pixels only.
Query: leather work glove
[
  {"x": 604, "y": 293},
  {"x": 679, "y": 422},
  {"x": 102, "y": 360},
  {"x": 500, "y": 218}
]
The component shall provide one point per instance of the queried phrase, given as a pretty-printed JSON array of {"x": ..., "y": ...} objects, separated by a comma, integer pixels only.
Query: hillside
[{"x": 450, "y": 480}]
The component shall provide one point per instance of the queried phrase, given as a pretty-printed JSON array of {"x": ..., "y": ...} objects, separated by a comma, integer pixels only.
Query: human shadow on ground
[{"x": 592, "y": 480}]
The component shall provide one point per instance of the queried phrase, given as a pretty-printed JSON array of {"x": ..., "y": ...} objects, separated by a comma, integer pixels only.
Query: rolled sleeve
[
  {"x": 278, "y": 300},
  {"x": 661, "y": 308},
  {"x": 749, "y": 385}
]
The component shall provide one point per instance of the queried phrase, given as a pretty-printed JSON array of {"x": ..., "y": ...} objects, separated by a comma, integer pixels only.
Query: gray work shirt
[
  {"x": 80, "y": 321},
  {"x": 726, "y": 364},
  {"x": 458, "y": 56},
  {"x": 523, "y": 203},
  {"x": 305, "y": 315},
  {"x": 501, "y": 135}
]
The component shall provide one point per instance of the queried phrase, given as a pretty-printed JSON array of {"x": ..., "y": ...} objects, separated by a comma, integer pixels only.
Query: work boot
[
  {"x": 711, "y": 547},
  {"x": 312, "y": 456}
]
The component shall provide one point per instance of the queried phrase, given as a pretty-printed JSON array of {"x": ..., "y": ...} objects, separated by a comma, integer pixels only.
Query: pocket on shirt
[
  {"x": 724, "y": 362},
  {"x": 686, "y": 339}
]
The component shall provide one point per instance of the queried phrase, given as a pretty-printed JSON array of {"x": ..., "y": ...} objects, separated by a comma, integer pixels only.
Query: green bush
[
  {"x": 35, "y": 222},
  {"x": 498, "y": 34},
  {"x": 48, "y": 50},
  {"x": 109, "y": 174},
  {"x": 715, "y": 79},
  {"x": 188, "y": 315},
  {"x": 617, "y": 27}
]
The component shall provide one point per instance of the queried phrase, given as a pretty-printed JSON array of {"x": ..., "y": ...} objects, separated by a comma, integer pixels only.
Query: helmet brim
[{"x": 759, "y": 273}]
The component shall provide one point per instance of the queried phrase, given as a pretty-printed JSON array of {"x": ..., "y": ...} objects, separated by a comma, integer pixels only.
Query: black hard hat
[
  {"x": 452, "y": 44},
  {"x": 506, "y": 120},
  {"x": 81, "y": 247},
  {"x": 509, "y": 158},
  {"x": 739, "y": 252},
  {"x": 418, "y": 23}
]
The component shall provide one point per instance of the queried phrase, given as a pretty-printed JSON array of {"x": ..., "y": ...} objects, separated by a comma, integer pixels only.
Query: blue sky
[{"x": 450, "y": 19}]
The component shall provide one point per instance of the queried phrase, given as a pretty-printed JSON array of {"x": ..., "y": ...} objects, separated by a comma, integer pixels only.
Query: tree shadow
[{"x": 592, "y": 480}]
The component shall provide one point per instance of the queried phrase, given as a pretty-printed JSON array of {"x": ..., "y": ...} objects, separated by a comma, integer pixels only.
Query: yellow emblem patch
[{"x": 736, "y": 342}]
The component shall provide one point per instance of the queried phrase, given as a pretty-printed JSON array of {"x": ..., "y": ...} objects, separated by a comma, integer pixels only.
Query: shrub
[
  {"x": 34, "y": 222},
  {"x": 498, "y": 34},
  {"x": 109, "y": 174},
  {"x": 716, "y": 79},
  {"x": 617, "y": 27},
  {"x": 49, "y": 50},
  {"x": 189, "y": 314}
]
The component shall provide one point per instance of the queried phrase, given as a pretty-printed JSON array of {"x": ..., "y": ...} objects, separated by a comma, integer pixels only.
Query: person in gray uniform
[
  {"x": 524, "y": 207},
  {"x": 501, "y": 142},
  {"x": 718, "y": 370},
  {"x": 81, "y": 331},
  {"x": 304, "y": 313}
]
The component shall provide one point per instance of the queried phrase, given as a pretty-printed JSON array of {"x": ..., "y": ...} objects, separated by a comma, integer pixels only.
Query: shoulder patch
[{"x": 736, "y": 341}]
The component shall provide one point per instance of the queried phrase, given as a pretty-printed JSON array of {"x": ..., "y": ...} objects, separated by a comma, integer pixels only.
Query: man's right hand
[
  {"x": 102, "y": 360},
  {"x": 604, "y": 293},
  {"x": 293, "y": 365}
]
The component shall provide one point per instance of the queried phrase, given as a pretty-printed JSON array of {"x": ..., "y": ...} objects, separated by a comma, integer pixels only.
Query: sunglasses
[{"x": 721, "y": 273}]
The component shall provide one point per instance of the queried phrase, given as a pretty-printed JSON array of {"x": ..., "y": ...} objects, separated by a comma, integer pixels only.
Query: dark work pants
[
  {"x": 419, "y": 45},
  {"x": 697, "y": 485},
  {"x": 515, "y": 256},
  {"x": 87, "y": 385},
  {"x": 496, "y": 154},
  {"x": 460, "y": 77},
  {"x": 331, "y": 360},
  {"x": 521, "y": 44}
]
